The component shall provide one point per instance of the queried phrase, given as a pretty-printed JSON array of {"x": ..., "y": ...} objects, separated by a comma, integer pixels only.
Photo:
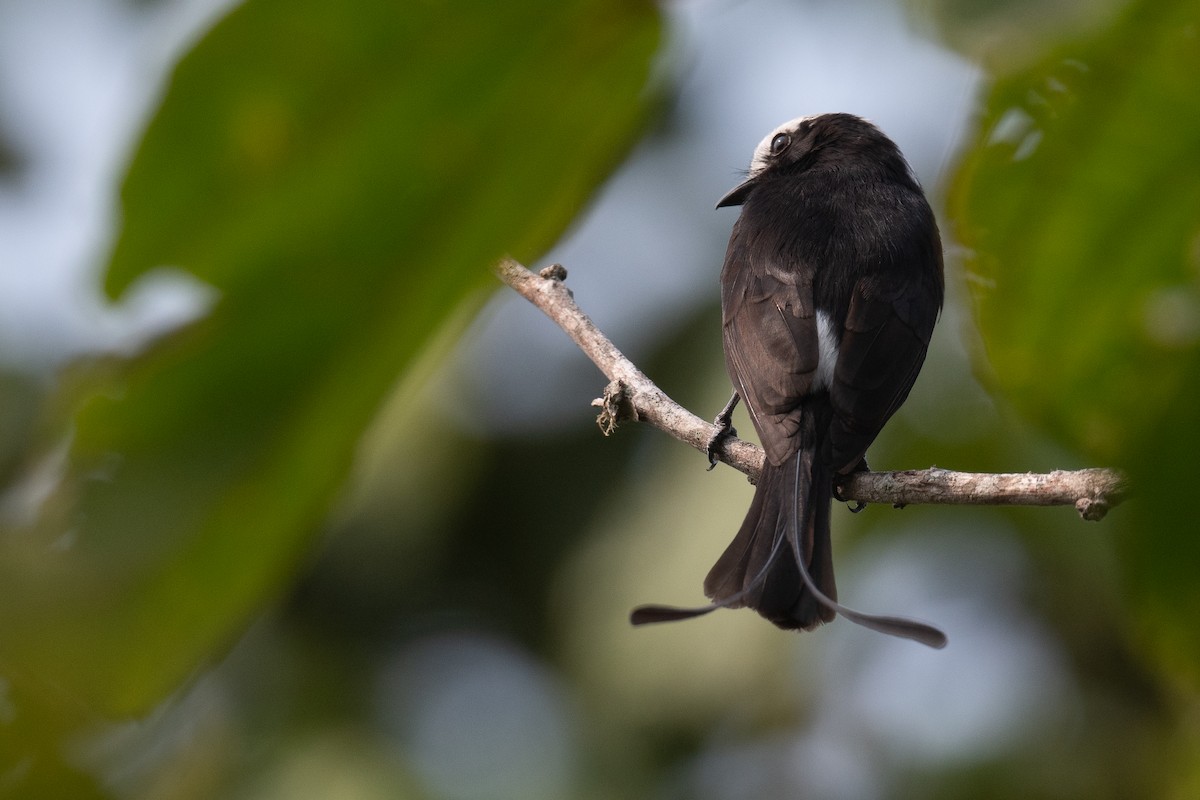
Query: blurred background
[{"x": 301, "y": 503}]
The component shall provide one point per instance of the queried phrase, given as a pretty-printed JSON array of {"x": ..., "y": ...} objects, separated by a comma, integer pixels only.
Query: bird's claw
[
  {"x": 838, "y": 495},
  {"x": 726, "y": 430},
  {"x": 858, "y": 506},
  {"x": 724, "y": 423}
]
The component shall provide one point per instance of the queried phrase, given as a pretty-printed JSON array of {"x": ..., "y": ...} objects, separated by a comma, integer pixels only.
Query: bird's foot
[
  {"x": 714, "y": 444},
  {"x": 859, "y": 505},
  {"x": 723, "y": 421}
]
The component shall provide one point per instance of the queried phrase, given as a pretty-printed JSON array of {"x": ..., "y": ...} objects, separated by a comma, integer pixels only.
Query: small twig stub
[{"x": 615, "y": 408}]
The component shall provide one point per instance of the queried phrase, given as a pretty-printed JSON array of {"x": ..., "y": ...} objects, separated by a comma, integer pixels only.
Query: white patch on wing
[{"x": 827, "y": 348}]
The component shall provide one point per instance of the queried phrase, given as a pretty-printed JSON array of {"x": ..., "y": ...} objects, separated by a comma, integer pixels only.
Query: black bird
[{"x": 830, "y": 290}]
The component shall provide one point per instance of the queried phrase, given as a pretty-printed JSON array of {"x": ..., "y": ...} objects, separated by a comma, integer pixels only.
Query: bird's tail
[
  {"x": 782, "y": 548},
  {"x": 780, "y": 563}
]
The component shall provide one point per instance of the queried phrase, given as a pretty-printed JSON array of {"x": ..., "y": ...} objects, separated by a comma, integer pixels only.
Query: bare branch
[{"x": 630, "y": 395}]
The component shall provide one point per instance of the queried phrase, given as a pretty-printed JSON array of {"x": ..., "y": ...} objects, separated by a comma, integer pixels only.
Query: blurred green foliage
[
  {"x": 1006, "y": 35},
  {"x": 1080, "y": 205},
  {"x": 341, "y": 174}
]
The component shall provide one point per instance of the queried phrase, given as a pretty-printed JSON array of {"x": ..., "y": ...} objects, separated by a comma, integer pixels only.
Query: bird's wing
[
  {"x": 886, "y": 334},
  {"x": 771, "y": 345}
]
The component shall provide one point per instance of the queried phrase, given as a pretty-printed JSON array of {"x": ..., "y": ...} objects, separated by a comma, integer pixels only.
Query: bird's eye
[{"x": 780, "y": 143}]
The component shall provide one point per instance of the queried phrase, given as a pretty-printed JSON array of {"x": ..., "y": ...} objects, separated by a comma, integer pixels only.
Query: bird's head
[{"x": 802, "y": 143}]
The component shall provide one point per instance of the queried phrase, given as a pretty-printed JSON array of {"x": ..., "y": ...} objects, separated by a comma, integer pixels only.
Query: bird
[{"x": 830, "y": 289}]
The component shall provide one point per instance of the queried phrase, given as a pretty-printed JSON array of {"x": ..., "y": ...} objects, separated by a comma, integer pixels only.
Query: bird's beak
[{"x": 738, "y": 194}]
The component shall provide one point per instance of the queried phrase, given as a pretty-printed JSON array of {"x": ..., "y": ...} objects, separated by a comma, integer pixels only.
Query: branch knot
[
  {"x": 615, "y": 407},
  {"x": 1092, "y": 509},
  {"x": 554, "y": 272}
]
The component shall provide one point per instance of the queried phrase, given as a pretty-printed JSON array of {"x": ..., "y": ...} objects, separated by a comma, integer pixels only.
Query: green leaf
[
  {"x": 342, "y": 174},
  {"x": 1080, "y": 207}
]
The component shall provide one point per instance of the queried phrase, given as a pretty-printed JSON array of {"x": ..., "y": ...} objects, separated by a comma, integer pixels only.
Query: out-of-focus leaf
[
  {"x": 343, "y": 174},
  {"x": 1080, "y": 204},
  {"x": 1008, "y": 33},
  {"x": 21, "y": 396}
]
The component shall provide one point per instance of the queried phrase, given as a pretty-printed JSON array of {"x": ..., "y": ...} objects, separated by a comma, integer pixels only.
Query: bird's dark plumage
[{"x": 831, "y": 286}]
